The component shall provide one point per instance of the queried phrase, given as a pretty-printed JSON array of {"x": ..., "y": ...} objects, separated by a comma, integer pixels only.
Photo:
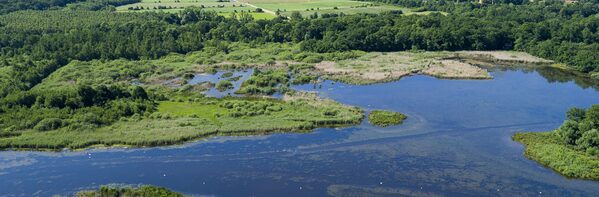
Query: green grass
[
  {"x": 300, "y": 5},
  {"x": 207, "y": 110},
  {"x": 546, "y": 148},
  {"x": 177, "y": 122},
  {"x": 384, "y": 118},
  {"x": 120, "y": 191},
  {"x": 256, "y": 16},
  {"x": 208, "y": 4}
]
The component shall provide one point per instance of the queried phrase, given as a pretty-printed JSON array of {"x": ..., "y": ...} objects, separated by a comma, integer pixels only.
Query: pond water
[
  {"x": 456, "y": 142},
  {"x": 236, "y": 79}
]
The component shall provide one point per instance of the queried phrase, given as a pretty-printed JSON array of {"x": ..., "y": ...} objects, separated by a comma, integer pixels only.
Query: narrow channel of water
[{"x": 456, "y": 142}]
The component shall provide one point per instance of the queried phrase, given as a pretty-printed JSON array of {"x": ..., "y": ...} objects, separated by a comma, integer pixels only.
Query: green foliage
[
  {"x": 227, "y": 75},
  {"x": 383, "y": 118},
  {"x": 176, "y": 122},
  {"x": 264, "y": 82},
  {"x": 15, "y": 5},
  {"x": 549, "y": 150},
  {"x": 251, "y": 108},
  {"x": 48, "y": 124},
  {"x": 36, "y": 43},
  {"x": 580, "y": 129},
  {"x": 142, "y": 191},
  {"x": 224, "y": 85},
  {"x": 80, "y": 107}
]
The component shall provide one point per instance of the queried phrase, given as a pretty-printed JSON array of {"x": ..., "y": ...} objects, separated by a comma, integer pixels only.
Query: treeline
[
  {"x": 581, "y": 129},
  {"x": 82, "y": 107},
  {"x": 49, "y": 39},
  {"x": 7, "y": 6}
]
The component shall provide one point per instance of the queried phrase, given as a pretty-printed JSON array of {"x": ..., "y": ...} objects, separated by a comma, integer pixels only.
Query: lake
[{"x": 455, "y": 142}]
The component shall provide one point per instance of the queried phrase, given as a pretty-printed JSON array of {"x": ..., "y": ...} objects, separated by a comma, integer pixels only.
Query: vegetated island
[
  {"x": 572, "y": 150},
  {"x": 144, "y": 122},
  {"x": 121, "y": 191},
  {"x": 384, "y": 118}
]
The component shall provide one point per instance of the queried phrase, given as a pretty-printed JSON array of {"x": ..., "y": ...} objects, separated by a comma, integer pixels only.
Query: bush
[
  {"x": 385, "y": 118},
  {"x": 224, "y": 85},
  {"x": 49, "y": 124}
]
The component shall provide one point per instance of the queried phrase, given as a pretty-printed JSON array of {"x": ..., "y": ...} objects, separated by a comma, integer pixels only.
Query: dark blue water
[{"x": 456, "y": 142}]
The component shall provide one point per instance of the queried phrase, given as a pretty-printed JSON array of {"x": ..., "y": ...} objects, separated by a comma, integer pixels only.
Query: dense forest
[{"x": 7, "y": 6}]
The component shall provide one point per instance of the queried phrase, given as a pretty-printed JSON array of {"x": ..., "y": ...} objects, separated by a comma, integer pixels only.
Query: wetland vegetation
[
  {"x": 383, "y": 118},
  {"x": 121, "y": 191},
  {"x": 572, "y": 149}
]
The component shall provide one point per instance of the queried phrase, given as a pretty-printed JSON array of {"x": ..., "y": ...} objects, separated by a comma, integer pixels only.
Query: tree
[
  {"x": 296, "y": 16},
  {"x": 139, "y": 93}
]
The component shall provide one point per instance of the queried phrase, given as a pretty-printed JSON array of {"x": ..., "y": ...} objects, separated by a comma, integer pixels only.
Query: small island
[
  {"x": 384, "y": 118},
  {"x": 572, "y": 150},
  {"x": 144, "y": 190}
]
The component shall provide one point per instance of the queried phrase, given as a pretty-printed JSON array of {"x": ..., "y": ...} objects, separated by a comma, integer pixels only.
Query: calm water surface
[{"x": 456, "y": 142}]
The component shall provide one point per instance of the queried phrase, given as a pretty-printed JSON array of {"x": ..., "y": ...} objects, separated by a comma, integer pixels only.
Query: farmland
[
  {"x": 224, "y": 8},
  {"x": 270, "y": 7}
]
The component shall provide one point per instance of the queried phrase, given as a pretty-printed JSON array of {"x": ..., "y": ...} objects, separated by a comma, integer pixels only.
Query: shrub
[
  {"x": 385, "y": 118},
  {"x": 49, "y": 124}
]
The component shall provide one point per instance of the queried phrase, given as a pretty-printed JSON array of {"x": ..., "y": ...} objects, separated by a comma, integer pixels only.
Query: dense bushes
[
  {"x": 581, "y": 129},
  {"x": 7, "y": 6},
  {"x": 76, "y": 108},
  {"x": 385, "y": 118},
  {"x": 249, "y": 108},
  {"x": 224, "y": 85},
  {"x": 113, "y": 191},
  {"x": 264, "y": 82}
]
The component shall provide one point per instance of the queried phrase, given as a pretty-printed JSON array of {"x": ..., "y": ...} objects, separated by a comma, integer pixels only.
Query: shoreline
[{"x": 544, "y": 149}]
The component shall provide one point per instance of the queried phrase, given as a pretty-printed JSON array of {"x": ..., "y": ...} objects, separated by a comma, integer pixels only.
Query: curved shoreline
[{"x": 544, "y": 148}]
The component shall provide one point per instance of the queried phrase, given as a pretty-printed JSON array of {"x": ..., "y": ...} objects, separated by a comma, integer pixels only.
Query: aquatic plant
[{"x": 384, "y": 118}]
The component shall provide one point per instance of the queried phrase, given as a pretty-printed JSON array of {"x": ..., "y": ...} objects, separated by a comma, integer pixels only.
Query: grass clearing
[
  {"x": 309, "y": 7},
  {"x": 207, "y": 110}
]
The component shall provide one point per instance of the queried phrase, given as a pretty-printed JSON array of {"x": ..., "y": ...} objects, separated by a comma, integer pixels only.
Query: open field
[
  {"x": 176, "y": 4},
  {"x": 270, "y": 7},
  {"x": 309, "y": 7},
  {"x": 223, "y": 8}
]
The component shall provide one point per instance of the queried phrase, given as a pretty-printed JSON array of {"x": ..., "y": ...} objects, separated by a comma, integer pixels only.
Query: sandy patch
[
  {"x": 383, "y": 67},
  {"x": 457, "y": 70},
  {"x": 504, "y": 56}
]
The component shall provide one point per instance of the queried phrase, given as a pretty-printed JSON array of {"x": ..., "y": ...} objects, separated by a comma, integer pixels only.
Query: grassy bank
[
  {"x": 547, "y": 149},
  {"x": 384, "y": 118},
  {"x": 184, "y": 120}
]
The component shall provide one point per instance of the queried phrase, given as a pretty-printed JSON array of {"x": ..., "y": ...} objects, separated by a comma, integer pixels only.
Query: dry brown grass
[{"x": 383, "y": 67}]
